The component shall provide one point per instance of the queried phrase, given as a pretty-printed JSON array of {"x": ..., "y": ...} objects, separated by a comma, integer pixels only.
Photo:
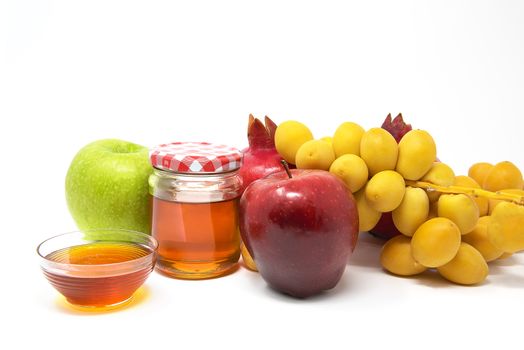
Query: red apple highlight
[{"x": 300, "y": 231}]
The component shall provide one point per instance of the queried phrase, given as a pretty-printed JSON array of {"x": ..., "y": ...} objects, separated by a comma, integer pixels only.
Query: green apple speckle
[{"x": 107, "y": 186}]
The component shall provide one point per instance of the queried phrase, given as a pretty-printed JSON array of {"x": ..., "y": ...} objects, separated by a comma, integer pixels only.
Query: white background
[{"x": 156, "y": 71}]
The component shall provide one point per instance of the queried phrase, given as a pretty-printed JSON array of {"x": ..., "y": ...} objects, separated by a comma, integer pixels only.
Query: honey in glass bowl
[{"x": 98, "y": 269}]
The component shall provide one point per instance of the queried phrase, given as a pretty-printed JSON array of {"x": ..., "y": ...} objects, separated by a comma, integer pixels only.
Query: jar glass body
[{"x": 195, "y": 221}]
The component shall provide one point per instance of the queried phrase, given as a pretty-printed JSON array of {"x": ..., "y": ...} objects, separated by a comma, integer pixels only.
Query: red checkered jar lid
[{"x": 195, "y": 157}]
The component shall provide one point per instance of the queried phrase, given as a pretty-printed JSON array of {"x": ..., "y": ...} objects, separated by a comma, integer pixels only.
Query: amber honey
[
  {"x": 195, "y": 189},
  {"x": 196, "y": 240},
  {"x": 99, "y": 274}
]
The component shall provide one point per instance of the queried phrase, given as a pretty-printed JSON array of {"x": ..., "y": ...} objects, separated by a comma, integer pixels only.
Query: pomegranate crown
[{"x": 261, "y": 135}]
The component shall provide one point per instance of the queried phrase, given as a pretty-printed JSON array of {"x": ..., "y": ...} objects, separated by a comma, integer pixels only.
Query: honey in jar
[{"x": 195, "y": 192}]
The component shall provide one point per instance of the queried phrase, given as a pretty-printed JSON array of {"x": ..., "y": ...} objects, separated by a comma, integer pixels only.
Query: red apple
[{"x": 300, "y": 231}]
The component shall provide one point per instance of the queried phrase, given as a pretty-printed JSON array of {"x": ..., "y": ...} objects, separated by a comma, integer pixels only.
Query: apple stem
[
  {"x": 475, "y": 192},
  {"x": 286, "y": 167}
]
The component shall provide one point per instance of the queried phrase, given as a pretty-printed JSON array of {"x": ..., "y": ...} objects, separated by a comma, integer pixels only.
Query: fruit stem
[
  {"x": 286, "y": 167},
  {"x": 475, "y": 192}
]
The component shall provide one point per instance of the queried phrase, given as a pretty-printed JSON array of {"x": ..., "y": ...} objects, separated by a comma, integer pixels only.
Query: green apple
[{"x": 107, "y": 186}]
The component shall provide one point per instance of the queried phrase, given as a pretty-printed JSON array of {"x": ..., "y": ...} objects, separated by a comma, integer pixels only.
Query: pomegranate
[
  {"x": 261, "y": 157},
  {"x": 385, "y": 228},
  {"x": 396, "y": 127}
]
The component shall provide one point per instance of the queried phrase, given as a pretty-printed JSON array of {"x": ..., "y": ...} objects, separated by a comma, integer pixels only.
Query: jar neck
[{"x": 194, "y": 187}]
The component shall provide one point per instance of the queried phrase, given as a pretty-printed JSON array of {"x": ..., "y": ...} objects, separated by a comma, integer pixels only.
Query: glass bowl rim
[{"x": 66, "y": 266}]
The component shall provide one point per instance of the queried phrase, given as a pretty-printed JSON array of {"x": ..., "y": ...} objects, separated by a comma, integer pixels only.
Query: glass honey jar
[{"x": 195, "y": 189}]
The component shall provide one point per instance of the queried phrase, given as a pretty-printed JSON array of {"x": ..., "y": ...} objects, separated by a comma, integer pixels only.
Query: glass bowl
[{"x": 98, "y": 269}]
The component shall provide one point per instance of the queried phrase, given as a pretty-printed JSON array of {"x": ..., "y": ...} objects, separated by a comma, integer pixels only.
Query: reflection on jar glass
[{"x": 195, "y": 192}]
